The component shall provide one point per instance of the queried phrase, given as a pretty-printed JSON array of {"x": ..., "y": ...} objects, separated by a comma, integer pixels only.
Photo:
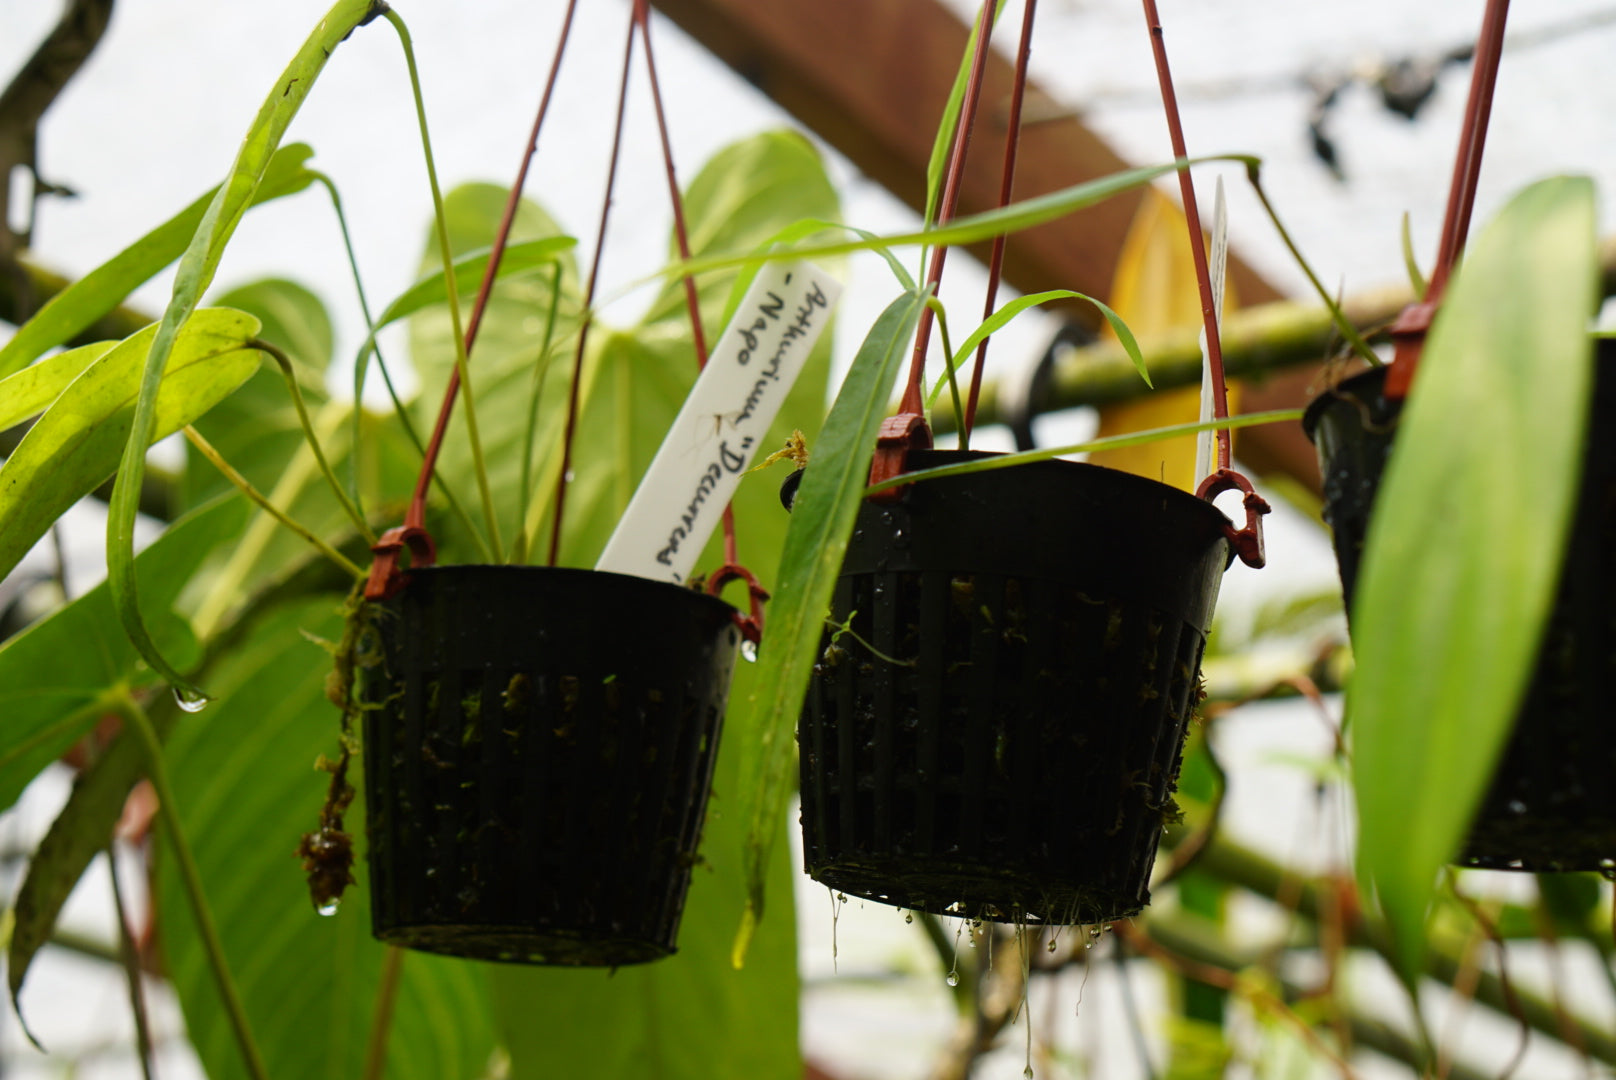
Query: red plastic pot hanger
[
  {"x": 1247, "y": 541},
  {"x": 386, "y": 576},
  {"x": 1408, "y": 332},
  {"x": 907, "y": 430}
]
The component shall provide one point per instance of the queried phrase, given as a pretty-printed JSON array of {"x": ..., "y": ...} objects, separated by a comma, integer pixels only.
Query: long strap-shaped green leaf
[
  {"x": 108, "y": 285},
  {"x": 196, "y": 271},
  {"x": 965, "y": 230},
  {"x": 75, "y": 445},
  {"x": 821, "y": 523},
  {"x": 1463, "y": 552}
]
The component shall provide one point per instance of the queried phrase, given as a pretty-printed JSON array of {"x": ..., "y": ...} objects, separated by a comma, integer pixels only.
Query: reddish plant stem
[
  {"x": 681, "y": 232},
  {"x": 415, "y": 516},
  {"x": 1186, "y": 187},
  {"x": 589, "y": 301},
  {"x": 913, "y": 396},
  {"x": 1472, "y": 139},
  {"x": 1012, "y": 142},
  {"x": 1408, "y": 332}
]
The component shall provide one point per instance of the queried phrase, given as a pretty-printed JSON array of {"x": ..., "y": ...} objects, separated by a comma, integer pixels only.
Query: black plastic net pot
[
  {"x": 999, "y": 732},
  {"x": 1551, "y": 805},
  {"x": 538, "y": 751}
]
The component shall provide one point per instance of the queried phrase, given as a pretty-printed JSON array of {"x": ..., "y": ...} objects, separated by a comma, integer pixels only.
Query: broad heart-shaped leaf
[
  {"x": 56, "y": 676},
  {"x": 257, "y": 431},
  {"x": 638, "y": 379},
  {"x": 105, "y": 287},
  {"x": 689, "y": 1017},
  {"x": 59, "y": 678},
  {"x": 503, "y": 359},
  {"x": 821, "y": 523},
  {"x": 191, "y": 280},
  {"x": 518, "y": 260},
  {"x": 290, "y": 317},
  {"x": 243, "y": 777},
  {"x": 256, "y": 428},
  {"x": 76, "y": 445},
  {"x": 1462, "y": 556}
]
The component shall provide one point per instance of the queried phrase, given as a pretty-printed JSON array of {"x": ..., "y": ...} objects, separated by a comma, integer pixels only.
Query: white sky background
[{"x": 155, "y": 118}]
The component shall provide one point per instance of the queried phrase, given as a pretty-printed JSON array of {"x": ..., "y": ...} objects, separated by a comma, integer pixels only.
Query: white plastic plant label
[{"x": 723, "y": 423}]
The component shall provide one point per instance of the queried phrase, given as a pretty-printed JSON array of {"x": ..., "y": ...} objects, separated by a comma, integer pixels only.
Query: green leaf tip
[
  {"x": 748, "y": 929},
  {"x": 1460, "y": 566}
]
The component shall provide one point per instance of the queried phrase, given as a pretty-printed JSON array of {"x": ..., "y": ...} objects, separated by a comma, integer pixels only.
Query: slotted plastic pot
[
  {"x": 999, "y": 731},
  {"x": 538, "y": 750},
  {"x": 1551, "y": 804}
]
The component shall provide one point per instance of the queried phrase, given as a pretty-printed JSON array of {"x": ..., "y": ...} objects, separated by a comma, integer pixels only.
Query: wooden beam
[{"x": 871, "y": 78}]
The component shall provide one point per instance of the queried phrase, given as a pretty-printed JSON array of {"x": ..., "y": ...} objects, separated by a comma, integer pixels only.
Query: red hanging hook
[
  {"x": 386, "y": 579},
  {"x": 1247, "y": 542},
  {"x": 750, "y": 626}
]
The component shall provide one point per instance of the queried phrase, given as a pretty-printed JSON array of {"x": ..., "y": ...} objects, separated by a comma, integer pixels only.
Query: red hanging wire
[
  {"x": 413, "y": 535},
  {"x": 589, "y": 300},
  {"x": 680, "y": 231},
  {"x": 1247, "y": 542},
  {"x": 907, "y": 430},
  {"x": 1186, "y": 187},
  {"x": 1012, "y": 142},
  {"x": 913, "y": 396},
  {"x": 752, "y": 625},
  {"x": 1408, "y": 332},
  {"x": 502, "y": 235}
]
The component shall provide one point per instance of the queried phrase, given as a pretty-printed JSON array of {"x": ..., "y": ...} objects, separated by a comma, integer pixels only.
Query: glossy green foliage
[
  {"x": 505, "y": 359},
  {"x": 993, "y": 323},
  {"x": 104, "y": 288},
  {"x": 76, "y": 444},
  {"x": 195, "y": 273},
  {"x": 637, "y": 379},
  {"x": 57, "y": 676},
  {"x": 821, "y": 523},
  {"x": 58, "y": 679},
  {"x": 256, "y": 428},
  {"x": 30, "y": 391},
  {"x": 243, "y": 776},
  {"x": 691, "y": 1016},
  {"x": 1462, "y": 556}
]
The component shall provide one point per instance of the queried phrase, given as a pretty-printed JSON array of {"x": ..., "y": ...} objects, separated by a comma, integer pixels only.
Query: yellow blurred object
[{"x": 1154, "y": 291}]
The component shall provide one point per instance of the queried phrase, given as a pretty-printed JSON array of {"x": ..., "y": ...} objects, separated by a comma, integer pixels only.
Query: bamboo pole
[{"x": 1259, "y": 339}]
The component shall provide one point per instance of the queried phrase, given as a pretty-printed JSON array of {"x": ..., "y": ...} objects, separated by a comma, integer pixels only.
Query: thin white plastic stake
[
  {"x": 722, "y": 424},
  {"x": 1205, "y": 443}
]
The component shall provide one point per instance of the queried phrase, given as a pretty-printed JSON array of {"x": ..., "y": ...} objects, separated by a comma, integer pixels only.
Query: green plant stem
[
  {"x": 370, "y": 328},
  {"x": 130, "y": 960},
  {"x": 938, "y": 310},
  {"x": 168, "y": 810},
  {"x": 208, "y": 451},
  {"x": 399, "y": 410},
  {"x": 452, "y": 292},
  {"x": 1114, "y": 442},
  {"x": 1239, "y": 866},
  {"x": 290, "y": 373},
  {"x": 1342, "y": 323},
  {"x": 294, "y": 477},
  {"x": 381, "y": 1023},
  {"x": 519, "y": 546},
  {"x": 1185, "y": 940}
]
